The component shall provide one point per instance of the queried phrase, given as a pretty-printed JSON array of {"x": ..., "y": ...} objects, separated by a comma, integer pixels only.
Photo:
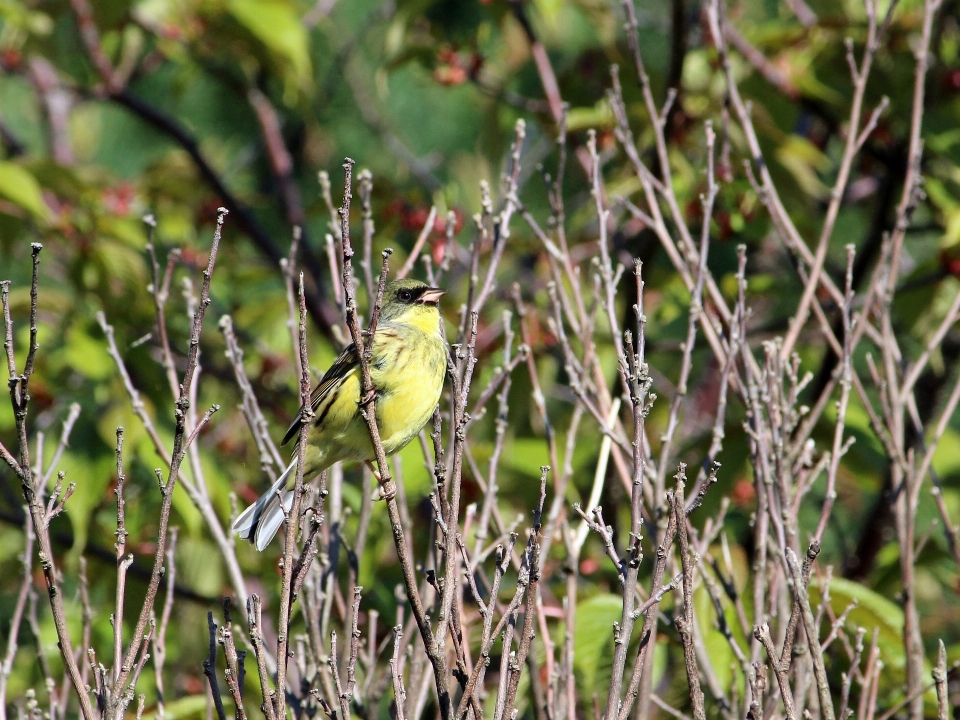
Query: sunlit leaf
[
  {"x": 526, "y": 455},
  {"x": 21, "y": 188},
  {"x": 185, "y": 707},
  {"x": 873, "y": 610},
  {"x": 593, "y": 638},
  {"x": 277, "y": 25},
  {"x": 584, "y": 118},
  {"x": 804, "y": 161}
]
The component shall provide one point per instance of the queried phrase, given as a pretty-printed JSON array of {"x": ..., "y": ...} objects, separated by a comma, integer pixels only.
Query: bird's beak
[{"x": 431, "y": 296}]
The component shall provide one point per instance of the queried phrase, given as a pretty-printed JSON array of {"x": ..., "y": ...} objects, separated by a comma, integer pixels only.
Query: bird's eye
[{"x": 405, "y": 295}]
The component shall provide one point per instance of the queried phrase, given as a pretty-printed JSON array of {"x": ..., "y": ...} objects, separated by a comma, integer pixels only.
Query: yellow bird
[{"x": 407, "y": 366}]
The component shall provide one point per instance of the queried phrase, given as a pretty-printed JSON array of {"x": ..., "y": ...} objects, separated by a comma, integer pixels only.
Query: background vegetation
[{"x": 113, "y": 110}]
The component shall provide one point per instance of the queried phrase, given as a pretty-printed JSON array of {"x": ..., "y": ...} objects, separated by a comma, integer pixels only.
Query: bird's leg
[
  {"x": 382, "y": 491},
  {"x": 368, "y": 398}
]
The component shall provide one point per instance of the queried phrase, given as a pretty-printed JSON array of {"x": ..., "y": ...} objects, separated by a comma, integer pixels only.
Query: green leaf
[
  {"x": 527, "y": 455},
  {"x": 585, "y": 118},
  {"x": 276, "y": 24},
  {"x": 803, "y": 160},
  {"x": 593, "y": 639},
  {"x": 189, "y": 706},
  {"x": 92, "y": 477},
  {"x": 21, "y": 188},
  {"x": 873, "y": 610},
  {"x": 86, "y": 355},
  {"x": 946, "y": 460}
]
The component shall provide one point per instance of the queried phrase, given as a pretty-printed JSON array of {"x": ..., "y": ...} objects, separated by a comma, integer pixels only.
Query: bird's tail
[{"x": 260, "y": 522}]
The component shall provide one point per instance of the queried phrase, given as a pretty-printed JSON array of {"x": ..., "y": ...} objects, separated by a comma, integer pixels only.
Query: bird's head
[{"x": 410, "y": 300}]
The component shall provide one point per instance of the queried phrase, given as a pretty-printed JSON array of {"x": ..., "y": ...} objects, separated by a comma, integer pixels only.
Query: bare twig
[
  {"x": 6, "y": 668},
  {"x": 180, "y": 443},
  {"x": 762, "y": 633},
  {"x": 685, "y": 619},
  {"x": 254, "y": 615},
  {"x": 293, "y": 518},
  {"x": 529, "y": 617},
  {"x": 940, "y": 679},
  {"x": 387, "y": 486},
  {"x": 210, "y": 668},
  {"x": 810, "y": 626},
  {"x": 19, "y": 399},
  {"x": 418, "y": 245}
]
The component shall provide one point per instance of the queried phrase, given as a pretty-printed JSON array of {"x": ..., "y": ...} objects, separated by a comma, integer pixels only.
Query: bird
[{"x": 408, "y": 363}]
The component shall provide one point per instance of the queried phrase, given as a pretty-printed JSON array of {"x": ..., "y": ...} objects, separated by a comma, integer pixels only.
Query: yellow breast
[
  {"x": 407, "y": 370},
  {"x": 408, "y": 363}
]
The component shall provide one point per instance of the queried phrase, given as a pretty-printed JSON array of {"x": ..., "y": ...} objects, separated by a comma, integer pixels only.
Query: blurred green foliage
[{"x": 425, "y": 93}]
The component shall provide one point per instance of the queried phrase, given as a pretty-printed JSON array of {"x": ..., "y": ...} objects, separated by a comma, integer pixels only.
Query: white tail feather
[{"x": 260, "y": 522}]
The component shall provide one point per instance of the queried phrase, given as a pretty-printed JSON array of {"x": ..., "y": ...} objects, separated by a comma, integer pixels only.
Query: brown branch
[
  {"x": 119, "y": 688},
  {"x": 288, "y": 268},
  {"x": 136, "y": 403},
  {"x": 396, "y": 674},
  {"x": 58, "y": 103},
  {"x": 940, "y": 679},
  {"x": 293, "y": 517},
  {"x": 530, "y": 612},
  {"x": 172, "y": 128},
  {"x": 845, "y": 380},
  {"x": 280, "y": 161},
  {"x": 762, "y": 633},
  {"x": 354, "y": 648},
  {"x": 91, "y": 39},
  {"x": 210, "y": 668},
  {"x": 6, "y": 667},
  {"x": 813, "y": 642},
  {"x": 768, "y": 70},
  {"x": 684, "y": 618},
  {"x": 122, "y": 562},
  {"x": 194, "y": 483},
  {"x": 68, "y": 424},
  {"x": 636, "y": 382},
  {"x": 367, "y": 409},
  {"x": 234, "y": 671},
  {"x": 548, "y": 78},
  {"x": 20, "y": 398},
  {"x": 160, "y": 290},
  {"x": 270, "y": 459},
  {"x": 255, "y": 622},
  {"x": 696, "y": 309},
  {"x": 365, "y": 182},
  {"x": 489, "y": 633},
  {"x": 648, "y": 633},
  {"x": 860, "y": 77},
  {"x": 160, "y": 636},
  {"x": 418, "y": 245}
]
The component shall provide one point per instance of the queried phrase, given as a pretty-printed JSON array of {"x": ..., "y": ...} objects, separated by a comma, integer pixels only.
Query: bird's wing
[{"x": 331, "y": 380}]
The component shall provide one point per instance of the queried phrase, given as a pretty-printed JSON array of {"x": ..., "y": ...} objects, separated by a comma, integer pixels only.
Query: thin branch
[
  {"x": 685, "y": 618},
  {"x": 13, "y": 630},
  {"x": 166, "y": 489},
  {"x": 173, "y": 129},
  {"x": 810, "y": 626},
  {"x": 940, "y": 679},
  {"x": 762, "y": 633},
  {"x": 210, "y": 668},
  {"x": 293, "y": 517},
  {"x": 387, "y": 486},
  {"x": 530, "y": 612},
  {"x": 418, "y": 245},
  {"x": 20, "y": 398}
]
